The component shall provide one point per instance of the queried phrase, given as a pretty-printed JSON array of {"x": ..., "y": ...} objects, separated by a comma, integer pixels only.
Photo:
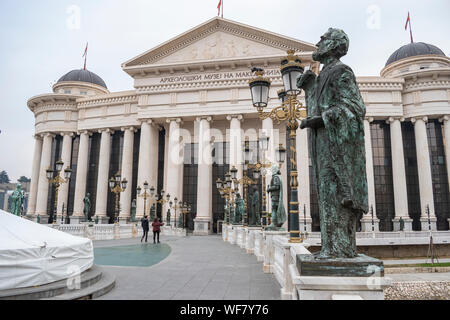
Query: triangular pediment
[{"x": 219, "y": 39}]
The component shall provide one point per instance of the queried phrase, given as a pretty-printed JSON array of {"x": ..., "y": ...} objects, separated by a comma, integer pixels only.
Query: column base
[
  {"x": 366, "y": 224},
  {"x": 201, "y": 227},
  {"x": 101, "y": 220},
  {"x": 124, "y": 220},
  {"x": 424, "y": 223},
  {"x": 407, "y": 224}
]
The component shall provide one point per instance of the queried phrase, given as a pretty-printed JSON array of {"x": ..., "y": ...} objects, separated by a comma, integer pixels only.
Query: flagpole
[
  {"x": 410, "y": 29},
  {"x": 222, "y": 8}
]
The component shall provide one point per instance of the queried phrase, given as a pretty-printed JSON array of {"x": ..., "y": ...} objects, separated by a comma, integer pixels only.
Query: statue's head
[
  {"x": 334, "y": 43},
  {"x": 275, "y": 170},
  {"x": 88, "y": 195},
  {"x": 19, "y": 186},
  {"x": 238, "y": 195}
]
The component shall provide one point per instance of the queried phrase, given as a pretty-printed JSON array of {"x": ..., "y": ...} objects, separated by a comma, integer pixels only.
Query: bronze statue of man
[
  {"x": 239, "y": 210},
  {"x": 276, "y": 195},
  {"x": 17, "y": 200},
  {"x": 255, "y": 205},
  {"x": 335, "y": 117},
  {"x": 153, "y": 212},
  {"x": 133, "y": 211},
  {"x": 87, "y": 207}
]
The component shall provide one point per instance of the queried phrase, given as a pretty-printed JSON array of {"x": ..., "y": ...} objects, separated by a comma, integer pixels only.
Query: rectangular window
[{"x": 382, "y": 162}]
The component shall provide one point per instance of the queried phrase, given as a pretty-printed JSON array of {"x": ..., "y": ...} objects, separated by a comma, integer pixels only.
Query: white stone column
[
  {"x": 35, "y": 175},
  {"x": 446, "y": 121},
  {"x": 43, "y": 184},
  {"x": 173, "y": 162},
  {"x": 66, "y": 154},
  {"x": 204, "y": 219},
  {"x": 303, "y": 180},
  {"x": 148, "y": 164},
  {"x": 399, "y": 176},
  {"x": 127, "y": 173},
  {"x": 80, "y": 183},
  {"x": 101, "y": 201},
  {"x": 424, "y": 169},
  {"x": 366, "y": 221},
  {"x": 235, "y": 140}
]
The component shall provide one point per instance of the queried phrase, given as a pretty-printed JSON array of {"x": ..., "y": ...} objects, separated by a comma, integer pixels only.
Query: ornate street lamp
[
  {"x": 145, "y": 195},
  {"x": 57, "y": 182},
  {"x": 117, "y": 186},
  {"x": 176, "y": 205},
  {"x": 281, "y": 154},
  {"x": 291, "y": 110}
]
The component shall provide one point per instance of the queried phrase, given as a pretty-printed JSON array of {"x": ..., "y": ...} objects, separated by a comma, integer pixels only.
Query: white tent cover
[{"x": 32, "y": 254}]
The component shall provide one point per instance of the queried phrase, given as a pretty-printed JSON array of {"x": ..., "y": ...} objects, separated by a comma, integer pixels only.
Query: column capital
[
  {"x": 87, "y": 132},
  {"x": 149, "y": 121},
  {"x": 424, "y": 119},
  {"x": 239, "y": 117},
  {"x": 392, "y": 119},
  {"x": 177, "y": 120},
  {"x": 132, "y": 129},
  {"x": 445, "y": 118},
  {"x": 70, "y": 134},
  {"x": 48, "y": 134},
  {"x": 107, "y": 130},
  {"x": 37, "y": 136},
  {"x": 369, "y": 119},
  {"x": 207, "y": 118}
]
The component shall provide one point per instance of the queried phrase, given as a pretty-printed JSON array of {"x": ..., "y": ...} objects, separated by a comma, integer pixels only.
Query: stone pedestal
[
  {"x": 239, "y": 232},
  {"x": 116, "y": 231},
  {"x": 407, "y": 226},
  {"x": 201, "y": 227},
  {"x": 269, "y": 249},
  {"x": 333, "y": 279},
  {"x": 424, "y": 223},
  {"x": 89, "y": 230},
  {"x": 232, "y": 238},
  {"x": 244, "y": 233},
  {"x": 250, "y": 239},
  {"x": 259, "y": 245},
  {"x": 366, "y": 224}
]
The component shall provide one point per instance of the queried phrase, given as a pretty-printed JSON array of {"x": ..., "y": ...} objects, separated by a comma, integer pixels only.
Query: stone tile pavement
[{"x": 197, "y": 268}]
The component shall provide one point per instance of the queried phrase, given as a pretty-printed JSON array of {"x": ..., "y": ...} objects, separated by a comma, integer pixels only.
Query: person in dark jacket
[
  {"x": 145, "y": 228},
  {"x": 156, "y": 229}
]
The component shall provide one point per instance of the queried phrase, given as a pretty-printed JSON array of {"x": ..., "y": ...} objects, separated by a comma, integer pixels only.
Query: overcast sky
[{"x": 42, "y": 40}]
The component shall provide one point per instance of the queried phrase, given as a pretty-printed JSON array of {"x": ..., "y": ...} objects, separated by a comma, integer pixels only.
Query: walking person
[
  {"x": 145, "y": 228},
  {"x": 156, "y": 229}
]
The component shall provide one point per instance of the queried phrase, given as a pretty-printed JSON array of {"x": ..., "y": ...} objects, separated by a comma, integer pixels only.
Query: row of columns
[
  {"x": 399, "y": 173},
  {"x": 148, "y": 168}
]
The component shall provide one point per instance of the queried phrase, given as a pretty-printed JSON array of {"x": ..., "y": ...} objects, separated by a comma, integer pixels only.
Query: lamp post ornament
[
  {"x": 117, "y": 185},
  {"x": 57, "y": 182}
]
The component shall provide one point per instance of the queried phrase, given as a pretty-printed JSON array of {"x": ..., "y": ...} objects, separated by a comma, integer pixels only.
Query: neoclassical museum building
[{"x": 185, "y": 122}]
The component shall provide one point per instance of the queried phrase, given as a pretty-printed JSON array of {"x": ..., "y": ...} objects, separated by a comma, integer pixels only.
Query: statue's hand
[
  {"x": 306, "y": 79},
  {"x": 304, "y": 124}
]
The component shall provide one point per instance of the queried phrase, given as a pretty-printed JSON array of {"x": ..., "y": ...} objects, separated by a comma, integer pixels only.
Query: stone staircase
[{"x": 93, "y": 283}]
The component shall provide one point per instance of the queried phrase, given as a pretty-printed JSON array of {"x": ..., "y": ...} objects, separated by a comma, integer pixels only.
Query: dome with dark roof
[
  {"x": 414, "y": 49},
  {"x": 83, "y": 76}
]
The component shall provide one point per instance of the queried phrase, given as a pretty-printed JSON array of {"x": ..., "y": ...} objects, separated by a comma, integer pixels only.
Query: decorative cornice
[
  {"x": 427, "y": 84},
  {"x": 107, "y": 100}
]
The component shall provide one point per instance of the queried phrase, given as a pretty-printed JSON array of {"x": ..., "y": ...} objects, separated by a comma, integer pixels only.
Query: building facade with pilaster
[{"x": 185, "y": 122}]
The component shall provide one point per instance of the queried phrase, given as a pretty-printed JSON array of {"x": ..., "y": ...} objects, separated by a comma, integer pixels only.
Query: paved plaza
[{"x": 196, "y": 268}]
